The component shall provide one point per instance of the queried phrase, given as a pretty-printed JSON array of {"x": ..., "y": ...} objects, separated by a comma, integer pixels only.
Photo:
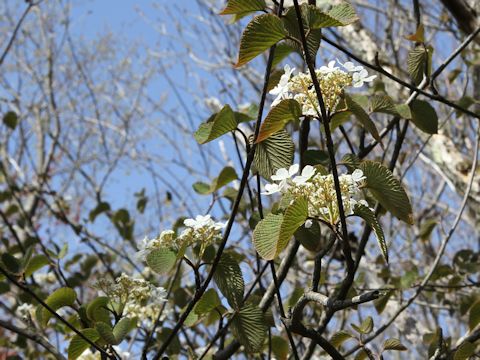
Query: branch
[
  {"x": 440, "y": 252},
  {"x": 347, "y": 252},
  {"x": 198, "y": 294},
  {"x": 53, "y": 312},
  {"x": 417, "y": 90},
  {"x": 40, "y": 340},
  {"x": 15, "y": 32}
]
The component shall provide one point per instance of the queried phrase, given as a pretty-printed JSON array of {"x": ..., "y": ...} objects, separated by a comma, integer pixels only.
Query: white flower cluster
[
  {"x": 89, "y": 355},
  {"x": 201, "y": 230},
  {"x": 319, "y": 190},
  {"x": 137, "y": 297},
  {"x": 332, "y": 81},
  {"x": 25, "y": 311}
]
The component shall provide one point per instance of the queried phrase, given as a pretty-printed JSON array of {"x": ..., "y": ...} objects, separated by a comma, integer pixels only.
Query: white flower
[
  {"x": 143, "y": 251},
  {"x": 274, "y": 188},
  {"x": 308, "y": 224},
  {"x": 89, "y": 355},
  {"x": 25, "y": 311},
  {"x": 330, "y": 68},
  {"x": 307, "y": 172},
  {"x": 219, "y": 225},
  {"x": 283, "y": 86},
  {"x": 358, "y": 176},
  {"x": 350, "y": 67},
  {"x": 361, "y": 77},
  {"x": 199, "y": 222},
  {"x": 213, "y": 104},
  {"x": 284, "y": 174}
]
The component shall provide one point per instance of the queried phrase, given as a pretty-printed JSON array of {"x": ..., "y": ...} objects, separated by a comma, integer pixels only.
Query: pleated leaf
[
  {"x": 59, "y": 298},
  {"x": 424, "y": 116},
  {"x": 387, "y": 190},
  {"x": 229, "y": 280},
  {"x": 313, "y": 36},
  {"x": 161, "y": 260},
  {"x": 383, "y": 104},
  {"x": 294, "y": 217},
  {"x": 249, "y": 328},
  {"x": 393, "y": 344},
  {"x": 241, "y": 7},
  {"x": 259, "y": 35},
  {"x": 217, "y": 125},
  {"x": 266, "y": 235},
  {"x": 369, "y": 216},
  {"x": 339, "y": 15},
  {"x": 279, "y": 116},
  {"x": 78, "y": 345},
  {"x": 362, "y": 117},
  {"x": 464, "y": 351},
  {"x": 207, "y": 302},
  {"x": 274, "y": 153}
]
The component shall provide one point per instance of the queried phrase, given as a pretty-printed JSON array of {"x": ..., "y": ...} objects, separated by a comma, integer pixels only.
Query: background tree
[{"x": 84, "y": 122}]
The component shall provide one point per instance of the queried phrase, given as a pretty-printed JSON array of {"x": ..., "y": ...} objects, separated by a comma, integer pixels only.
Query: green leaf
[
  {"x": 294, "y": 217},
  {"x": 464, "y": 351},
  {"x": 340, "y": 337},
  {"x": 249, "y": 328},
  {"x": 351, "y": 162},
  {"x": 226, "y": 176},
  {"x": 10, "y": 119},
  {"x": 316, "y": 157},
  {"x": 201, "y": 188},
  {"x": 383, "y": 104},
  {"x": 78, "y": 345},
  {"x": 424, "y": 116},
  {"x": 382, "y": 301},
  {"x": 362, "y": 117},
  {"x": 274, "y": 153},
  {"x": 417, "y": 61},
  {"x": 207, "y": 302},
  {"x": 280, "y": 348},
  {"x": 365, "y": 327},
  {"x": 59, "y": 298},
  {"x": 275, "y": 76},
  {"x": 339, "y": 15},
  {"x": 236, "y": 7},
  {"x": 279, "y": 116},
  {"x": 369, "y": 216},
  {"x": 387, "y": 190},
  {"x": 266, "y": 235},
  {"x": 339, "y": 118},
  {"x": 106, "y": 333},
  {"x": 427, "y": 228},
  {"x": 229, "y": 280},
  {"x": 474, "y": 316},
  {"x": 97, "y": 309},
  {"x": 100, "y": 208},
  {"x": 123, "y": 327},
  {"x": 404, "y": 111},
  {"x": 36, "y": 263},
  {"x": 361, "y": 355},
  {"x": 313, "y": 36},
  {"x": 12, "y": 264},
  {"x": 161, "y": 260},
  {"x": 282, "y": 50},
  {"x": 272, "y": 234},
  {"x": 393, "y": 344},
  {"x": 259, "y": 35},
  {"x": 217, "y": 125}
]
